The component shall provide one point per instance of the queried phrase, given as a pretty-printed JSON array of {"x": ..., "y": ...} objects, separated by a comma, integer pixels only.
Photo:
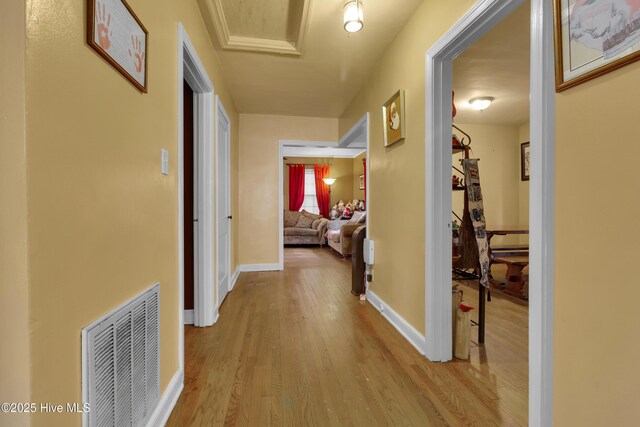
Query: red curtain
[
  {"x": 296, "y": 187},
  {"x": 322, "y": 189}
]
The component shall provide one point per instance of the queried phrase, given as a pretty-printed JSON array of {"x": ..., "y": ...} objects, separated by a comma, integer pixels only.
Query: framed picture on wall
[
  {"x": 116, "y": 33},
  {"x": 593, "y": 37},
  {"x": 393, "y": 118},
  {"x": 525, "y": 161},
  {"x": 361, "y": 180}
]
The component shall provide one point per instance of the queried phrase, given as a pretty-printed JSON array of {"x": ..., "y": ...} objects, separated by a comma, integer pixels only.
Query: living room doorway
[{"x": 340, "y": 169}]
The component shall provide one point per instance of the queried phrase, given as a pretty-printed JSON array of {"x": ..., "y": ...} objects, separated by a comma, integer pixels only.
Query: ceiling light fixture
[
  {"x": 481, "y": 103},
  {"x": 353, "y": 16}
]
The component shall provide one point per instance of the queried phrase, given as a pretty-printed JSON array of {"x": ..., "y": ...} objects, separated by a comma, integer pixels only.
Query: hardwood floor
[{"x": 296, "y": 348}]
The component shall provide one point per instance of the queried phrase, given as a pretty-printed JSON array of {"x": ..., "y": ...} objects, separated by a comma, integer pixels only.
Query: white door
[{"x": 223, "y": 203}]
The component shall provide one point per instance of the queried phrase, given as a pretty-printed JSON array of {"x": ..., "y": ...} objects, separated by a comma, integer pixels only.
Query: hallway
[{"x": 295, "y": 347}]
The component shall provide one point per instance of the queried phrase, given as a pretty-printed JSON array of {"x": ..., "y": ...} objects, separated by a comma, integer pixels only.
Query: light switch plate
[{"x": 165, "y": 162}]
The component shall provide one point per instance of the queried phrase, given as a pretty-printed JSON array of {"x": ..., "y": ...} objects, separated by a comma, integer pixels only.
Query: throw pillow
[
  {"x": 315, "y": 223},
  {"x": 304, "y": 222},
  {"x": 311, "y": 215},
  {"x": 358, "y": 217},
  {"x": 291, "y": 218}
]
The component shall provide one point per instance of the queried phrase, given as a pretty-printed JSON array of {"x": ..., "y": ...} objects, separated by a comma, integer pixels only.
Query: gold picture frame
[
  {"x": 116, "y": 33},
  {"x": 583, "y": 53},
  {"x": 393, "y": 118}
]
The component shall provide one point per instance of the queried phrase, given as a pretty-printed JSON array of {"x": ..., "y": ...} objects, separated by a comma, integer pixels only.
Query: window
[{"x": 310, "y": 203}]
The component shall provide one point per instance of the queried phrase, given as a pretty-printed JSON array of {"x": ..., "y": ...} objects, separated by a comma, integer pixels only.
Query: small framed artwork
[
  {"x": 525, "y": 161},
  {"x": 593, "y": 37},
  {"x": 393, "y": 117},
  {"x": 116, "y": 33},
  {"x": 361, "y": 178}
]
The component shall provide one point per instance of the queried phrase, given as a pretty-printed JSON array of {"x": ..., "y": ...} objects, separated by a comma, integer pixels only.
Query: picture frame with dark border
[
  {"x": 525, "y": 161},
  {"x": 394, "y": 118},
  {"x": 116, "y": 33},
  {"x": 583, "y": 53}
]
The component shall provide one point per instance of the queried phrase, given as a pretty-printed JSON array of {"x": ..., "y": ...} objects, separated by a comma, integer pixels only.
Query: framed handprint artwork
[
  {"x": 593, "y": 37},
  {"x": 116, "y": 33}
]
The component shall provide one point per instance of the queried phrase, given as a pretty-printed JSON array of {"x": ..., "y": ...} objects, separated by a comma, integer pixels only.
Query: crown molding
[{"x": 216, "y": 22}]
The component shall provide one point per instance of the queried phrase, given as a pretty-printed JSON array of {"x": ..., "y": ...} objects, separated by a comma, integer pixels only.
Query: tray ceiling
[{"x": 276, "y": 26}]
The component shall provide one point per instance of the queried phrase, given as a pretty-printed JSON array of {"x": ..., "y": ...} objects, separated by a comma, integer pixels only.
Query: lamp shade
[
  {"x": 353, "y": 16},
  {"x": 329, "y": 181}
]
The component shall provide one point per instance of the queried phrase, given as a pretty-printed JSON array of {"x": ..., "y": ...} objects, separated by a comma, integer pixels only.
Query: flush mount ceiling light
[
  {"x": 353, "y": 16},
  {"x": 481, "y": 103}
]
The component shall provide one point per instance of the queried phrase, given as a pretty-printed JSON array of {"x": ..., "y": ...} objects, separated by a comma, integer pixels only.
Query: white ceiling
[
  {"x": 331, "y": 68},
  {"x": 497, "y": 65},
  {"x": 309, "y": 151}
]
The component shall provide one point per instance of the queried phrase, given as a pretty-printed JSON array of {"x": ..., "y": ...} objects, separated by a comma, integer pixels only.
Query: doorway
[
  {"x": 190, "y": 207},
  {"x": 223, "y": 208},
  {"x": 353, "y": 147},
  {"x": 191, "y": 71},
  {"x": 482, "y": 17}
]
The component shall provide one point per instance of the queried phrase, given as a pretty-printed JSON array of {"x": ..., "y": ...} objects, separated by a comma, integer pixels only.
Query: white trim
[
  {"x": 415, "y": 338},
  {"x": 168, "y": 400},
  {"x": 483, "y": 16},
  {"x": 190, "y": 68},
  {"x": 353, "y": 133},
  {"x": 188, "y": 317},
  {"x": 542, "y": 215},
  {"x": 336, "y": 153},
  {"x": 258, "y": 267},
  {"x": 220, "y": 111},
  {"x": 234, "y": 279}
]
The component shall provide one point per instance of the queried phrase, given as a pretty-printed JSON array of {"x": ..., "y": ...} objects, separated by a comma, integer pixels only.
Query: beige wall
[
  {"x": 523, "y": 187},
  {"x": 595, "y": 357},
  {"x": 14, "y": 291},
  {"x": 596, "y": 287},
  {"x": 102, "y": 218},
  {"x": 358, "y": 169},
  {"x": 341, "y": 170},
  {"x": 498, "y": 149},
  {"x": 259, "y": 161},
  {"x": 399, "y": 269}
]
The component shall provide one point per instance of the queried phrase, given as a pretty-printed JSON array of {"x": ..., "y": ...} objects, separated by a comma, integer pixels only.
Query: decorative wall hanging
[
  {"x": 594, "y": 37},
  {"x": 361, "y": 182},
  {"x": 393, "y": 118},
  {"x": 116, "y": 33},
  {"x": 525, "y": 161},
  {"x": 476, "y": 210}
]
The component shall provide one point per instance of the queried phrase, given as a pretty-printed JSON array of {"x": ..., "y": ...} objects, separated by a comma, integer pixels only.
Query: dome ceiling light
[{"x": 481, "y": 103}]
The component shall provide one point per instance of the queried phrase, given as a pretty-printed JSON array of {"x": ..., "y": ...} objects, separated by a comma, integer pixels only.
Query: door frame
[
  {"x": 221, "y": 110},
  {"x": 191, "y": 69},
  {"x": 482, "y": 17},
  {"x": 282, "y": 145}
]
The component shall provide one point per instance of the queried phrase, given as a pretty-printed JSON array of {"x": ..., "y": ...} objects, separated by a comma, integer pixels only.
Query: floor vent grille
[{"x": 120, "y": 363}]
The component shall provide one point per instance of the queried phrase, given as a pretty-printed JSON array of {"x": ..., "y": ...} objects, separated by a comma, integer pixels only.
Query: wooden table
[{"x": 514, "y": 266}]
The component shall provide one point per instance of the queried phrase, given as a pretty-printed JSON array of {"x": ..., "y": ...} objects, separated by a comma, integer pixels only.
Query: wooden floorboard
[{"x": 297, "y": 348}]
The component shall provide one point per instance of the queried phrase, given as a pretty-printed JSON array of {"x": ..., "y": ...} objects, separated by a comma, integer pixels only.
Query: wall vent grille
[{"x": 120, "y": 363}]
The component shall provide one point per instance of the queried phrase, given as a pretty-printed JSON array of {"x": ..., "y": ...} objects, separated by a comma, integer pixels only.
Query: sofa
[
  {"x": 304, "y": 228},
  {"x": 340, "y": 232}
]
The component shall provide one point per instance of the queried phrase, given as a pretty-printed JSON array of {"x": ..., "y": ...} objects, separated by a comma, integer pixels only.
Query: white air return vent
[{"x": 121, "y": 364}]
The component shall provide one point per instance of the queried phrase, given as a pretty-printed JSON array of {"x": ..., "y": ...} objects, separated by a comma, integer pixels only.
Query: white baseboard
[
  {"x": 234, "y": 278},
  {"x": 259, "y": 267},
  {"x": 406, "y": 330},
  {"x": 168, "y": 400},
  {"x": 188, "y": 317}
]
